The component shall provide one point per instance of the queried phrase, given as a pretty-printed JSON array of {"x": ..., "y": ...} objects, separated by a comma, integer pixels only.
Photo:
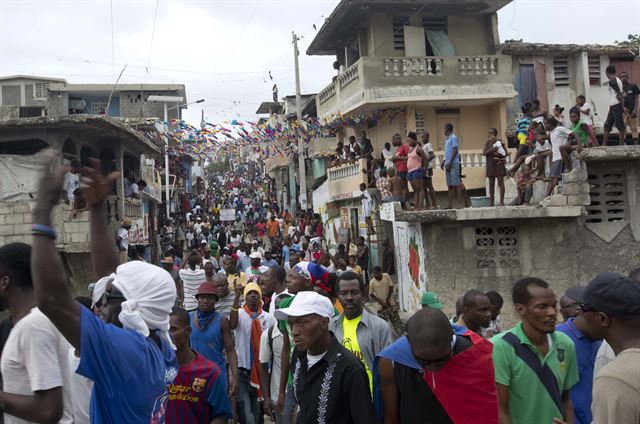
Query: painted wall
[
  {"x": 471, "y": 35},
  {"x": 380, "y": 31},
  {"x": 411, "y": 268}
]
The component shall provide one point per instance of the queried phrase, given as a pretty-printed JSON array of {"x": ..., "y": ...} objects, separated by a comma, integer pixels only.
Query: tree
[{"x": 633, "y": 40}]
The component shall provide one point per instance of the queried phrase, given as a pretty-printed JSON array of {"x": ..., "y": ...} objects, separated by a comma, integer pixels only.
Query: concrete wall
[
  {"x": 380, "y": 36},
  {"x": 132, "y": 107},
  {"x": 471, "y": 35}
]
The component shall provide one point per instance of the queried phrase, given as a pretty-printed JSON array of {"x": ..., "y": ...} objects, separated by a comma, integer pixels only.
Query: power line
[
  {"x": 253, "y": 11},
  {"x": 153, "y": 32},
  {"x": 113, "y": 53}
]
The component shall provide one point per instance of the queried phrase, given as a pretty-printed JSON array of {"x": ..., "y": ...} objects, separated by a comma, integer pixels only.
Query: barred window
[{"x": 497, "y": 247}]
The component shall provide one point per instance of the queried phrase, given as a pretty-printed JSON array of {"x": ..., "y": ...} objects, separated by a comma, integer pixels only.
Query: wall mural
[{"x": 410, "y": 265}]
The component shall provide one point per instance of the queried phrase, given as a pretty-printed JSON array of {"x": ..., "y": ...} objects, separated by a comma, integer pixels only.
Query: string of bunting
[{"x": 232, "y": 139}]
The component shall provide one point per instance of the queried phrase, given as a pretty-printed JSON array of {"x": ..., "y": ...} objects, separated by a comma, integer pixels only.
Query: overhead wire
[
  {"x": 153, "y": 32},
  {"x": 244, "y": 29},
  {"x": 113, "y": 48}
]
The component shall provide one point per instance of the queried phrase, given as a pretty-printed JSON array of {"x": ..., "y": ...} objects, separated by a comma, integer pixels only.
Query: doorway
[{"x": 442, "y": 119}]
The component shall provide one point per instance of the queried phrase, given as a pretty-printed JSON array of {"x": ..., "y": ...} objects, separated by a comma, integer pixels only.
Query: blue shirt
[
  {"x": 450, "y": 144},
  {"x": 581, "y": 393},
  {"x": 129, "y": 371},
  {"x": 209, "y": 342},
  {"x": 285, "y": 254}
]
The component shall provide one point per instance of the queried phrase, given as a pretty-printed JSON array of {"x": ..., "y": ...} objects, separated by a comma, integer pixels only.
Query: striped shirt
[
  {"x": 383, "y": 186},
  {"x": 197, "y": 395},
  {"x": 191, "y": 281}
]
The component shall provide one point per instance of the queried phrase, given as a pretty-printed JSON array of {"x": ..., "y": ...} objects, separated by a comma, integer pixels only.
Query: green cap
[{"x": 431, "y": 300}]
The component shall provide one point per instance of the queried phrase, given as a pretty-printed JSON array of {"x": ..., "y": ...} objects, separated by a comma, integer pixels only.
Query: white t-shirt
[
  {"x": 586, "y": 117},
  {"x": 80, "y": 390},
  {"x": 501, "y": 150},
  {"x": 427, "y": 149},
  {"x": 613, "y": 97},
  {"x": 273, "y": 357},
  {"x": 191, "y": 281},
  {"x": 313, "y": 359},
  {"x": 35, "y": 358},
  {"x": 559, "y": 137},
  {"x": 366, "y": 204},
  {"x": 123, "y": 233},
  {"x": 243, "y": 335},
  {"x": 71, "y": 183},
  {"x": 387, "y": 155}
]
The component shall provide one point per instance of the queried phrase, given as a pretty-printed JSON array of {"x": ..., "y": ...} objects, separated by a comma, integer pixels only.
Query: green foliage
[
  {"x": 215, "y": 167},
  {"x": 633, "y": 40}
]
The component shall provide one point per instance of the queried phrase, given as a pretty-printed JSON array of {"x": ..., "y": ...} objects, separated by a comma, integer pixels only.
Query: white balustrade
[
  {"x": 327, "y": 93},
  {"x": 348, "y": 76},
  {"x": 478, "y": 65},
  {"x": 343, "y": 172},
  {"x": 413, "y": 67},
  {"x": 468, "y": 159}
]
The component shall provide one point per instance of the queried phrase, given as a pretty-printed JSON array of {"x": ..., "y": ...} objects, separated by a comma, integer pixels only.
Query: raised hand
[
  {"x": 50, "y": 187},
  {"x": 95, "y": 186}
]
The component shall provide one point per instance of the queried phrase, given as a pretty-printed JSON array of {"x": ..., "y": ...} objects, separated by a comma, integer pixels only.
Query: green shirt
[{"x": 529, "y": 401}]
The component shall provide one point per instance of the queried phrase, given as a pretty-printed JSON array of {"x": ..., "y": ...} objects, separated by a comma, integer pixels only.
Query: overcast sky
[{"x": 223, "y": 50}]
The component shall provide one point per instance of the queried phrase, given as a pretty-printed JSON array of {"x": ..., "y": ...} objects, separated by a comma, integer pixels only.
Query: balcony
[
  {"x": 400, "y": 80},
  {"x": 345, "y": 180}
]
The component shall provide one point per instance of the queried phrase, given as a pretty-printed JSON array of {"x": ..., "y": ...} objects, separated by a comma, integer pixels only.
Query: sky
[{"x": 227, "y": 51}]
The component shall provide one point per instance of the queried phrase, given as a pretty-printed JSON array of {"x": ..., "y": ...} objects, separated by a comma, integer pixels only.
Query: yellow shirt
[
  {"x": 350, "y": 341},
  {"x": 242, "y": 279}
]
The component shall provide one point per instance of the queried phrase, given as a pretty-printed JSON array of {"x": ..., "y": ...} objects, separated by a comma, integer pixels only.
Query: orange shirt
[{"x": 273, "y": 227}]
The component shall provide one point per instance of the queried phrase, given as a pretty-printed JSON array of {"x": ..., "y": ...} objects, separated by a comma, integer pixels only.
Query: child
[
  {"x": 559, "y": 137},
  {"x": 526, "y": 179},
  {"x": 541, "y": 152},
  {"x": 586, "y": 112},
  {"x": 523, "y": 125},
  {"x": 397, "y": 186},
  {"x": 387, "y": 154},
  {"x": 365, "y": 197},
  {"x": 557, "y": 113},
  {"x": 581, "y": 129}
]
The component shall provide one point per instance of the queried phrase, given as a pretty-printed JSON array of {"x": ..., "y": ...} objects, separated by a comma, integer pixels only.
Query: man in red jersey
[{"x": 197, "y": 395}]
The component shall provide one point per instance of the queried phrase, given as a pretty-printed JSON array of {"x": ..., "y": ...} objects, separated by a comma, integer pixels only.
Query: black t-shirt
[
  {"x": 630, "y": 92},
  {"x": 418, "y": 404}
]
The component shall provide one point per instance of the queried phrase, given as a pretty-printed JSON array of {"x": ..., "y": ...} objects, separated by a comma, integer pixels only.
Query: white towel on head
[{"x": 150, "y": 294}]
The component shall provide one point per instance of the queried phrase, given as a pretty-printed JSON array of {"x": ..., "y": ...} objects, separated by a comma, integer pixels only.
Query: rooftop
[
  {"x": 270, "y": 107},
  {"x": 515, "y": 47},
  {"x": 100, "y": 127},
  {"x": 350, "y": 15},
  {"x": 489, "y": 213},
  {"x": 31, "y": 77}
]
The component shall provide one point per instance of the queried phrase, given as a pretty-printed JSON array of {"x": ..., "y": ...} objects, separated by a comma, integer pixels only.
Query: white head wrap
[{"x": 150, "y": 294}]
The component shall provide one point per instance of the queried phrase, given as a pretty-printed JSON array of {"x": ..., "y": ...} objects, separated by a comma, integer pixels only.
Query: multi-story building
[
  {"x": 117, "y": 124},
  {"x": 24, "y": 96}
]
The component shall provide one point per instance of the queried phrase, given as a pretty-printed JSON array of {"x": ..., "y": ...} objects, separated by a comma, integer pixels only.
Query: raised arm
[
  {"x": 52, "y": 293},
  {"x": 96, "y": 188}
]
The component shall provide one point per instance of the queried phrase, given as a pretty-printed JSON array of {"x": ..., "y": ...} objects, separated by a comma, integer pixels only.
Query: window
[
  {"x": 497, "y": 247},
  {"x": 41, "y": 90},
  {"x": 608, "y": 195},
  {"x": 561, "y": 70},
  {"x": 30, "y": 111},
  {"x": 594, "y": 70},
  {"x": 420, "y": 123},
  {"x": 436, "y": 24},
  {"x": 399, "y": 22},
  {"x": 99, "y": 106}
]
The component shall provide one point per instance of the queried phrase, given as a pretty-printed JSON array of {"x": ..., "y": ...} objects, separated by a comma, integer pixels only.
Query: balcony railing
[
  {"x": 348, "y": 76},
  {"x": 345, "y": 179},
  {"x": 327, "y": 93},
  {"x": 132, "y": 208},
  {"x": 426, "y": 66},
  {"x": 468, "y": 159},
  {"x": 375, "y": 81}
]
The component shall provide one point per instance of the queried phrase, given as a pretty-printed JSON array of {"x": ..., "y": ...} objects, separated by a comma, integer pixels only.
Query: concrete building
[
  {"x": 591, "y": 225},
  {"x": 119, "y": 147},
  {"x": 28, "y": 96},
  {"x": 557, "y": 73}
]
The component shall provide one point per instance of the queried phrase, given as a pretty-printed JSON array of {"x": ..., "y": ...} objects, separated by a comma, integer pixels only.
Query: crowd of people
[
  {"x": 250, "y": 317},
  {"x": 545, "y": 142}
]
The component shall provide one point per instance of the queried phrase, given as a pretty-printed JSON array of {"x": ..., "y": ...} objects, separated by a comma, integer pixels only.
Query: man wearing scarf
[
  {"x": 211, "y": 334},
  {"x": 249, "y": 322},
  {"x": 438, "y": 374}
]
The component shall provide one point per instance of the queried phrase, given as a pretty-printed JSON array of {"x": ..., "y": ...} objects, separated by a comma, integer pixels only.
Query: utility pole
[
  {"x": 301, "y": 166},
  {"x": 166, "y": 165}
]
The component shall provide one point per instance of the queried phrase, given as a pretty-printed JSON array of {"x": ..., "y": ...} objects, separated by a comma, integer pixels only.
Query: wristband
[{"x": 43, "y": 230}]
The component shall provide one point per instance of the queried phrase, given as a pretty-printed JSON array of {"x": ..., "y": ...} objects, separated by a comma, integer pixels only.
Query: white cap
[
  {"x": 255, "y": 255},
  {"x": 306, "y": 303}
]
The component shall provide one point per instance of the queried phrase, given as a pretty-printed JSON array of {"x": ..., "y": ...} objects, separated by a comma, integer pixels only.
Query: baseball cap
[
  {"x": 431, "y": 300},
  {"x": 302, "y": 269},
  {"x": 576, "y": 293},
  {"x": 255, "y": 255},
  {"x": 613, "y": 294},
  {"x": 306, "y": 303},
  {"x": 207, "y": 288}
]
